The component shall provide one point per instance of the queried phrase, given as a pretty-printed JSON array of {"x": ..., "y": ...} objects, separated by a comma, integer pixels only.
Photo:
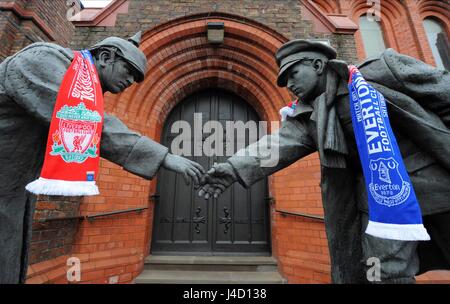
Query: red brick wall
[
  {"x": 8, "y": 32},
  {"x": 54, "y": 13},
  {"x": 301, "y": 243},
  {"x": 52, "y": 239},
  {"x": 113, "y": 246},
  {"x": 24, "y": 22}
]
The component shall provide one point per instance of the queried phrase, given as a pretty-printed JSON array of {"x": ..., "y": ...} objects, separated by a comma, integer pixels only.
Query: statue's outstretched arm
[{"x": 262, "y": 158}]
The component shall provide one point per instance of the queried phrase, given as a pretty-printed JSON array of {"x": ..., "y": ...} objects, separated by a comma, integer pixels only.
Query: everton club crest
[
  {"x": 387, "y": 186},
  {"x": 76, "y": 139}
]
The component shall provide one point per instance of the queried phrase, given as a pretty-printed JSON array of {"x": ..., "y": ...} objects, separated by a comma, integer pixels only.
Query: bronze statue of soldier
[
  {"x": 418, "y": 101},
  {"x": 29, "y": 83}
]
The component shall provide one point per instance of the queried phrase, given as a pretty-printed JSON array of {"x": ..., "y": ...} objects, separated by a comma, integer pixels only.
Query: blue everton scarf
[{"x": 394, "y": 212}]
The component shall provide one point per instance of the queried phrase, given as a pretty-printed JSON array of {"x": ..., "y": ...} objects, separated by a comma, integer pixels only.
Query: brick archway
[{"x": 181, "y": 61}]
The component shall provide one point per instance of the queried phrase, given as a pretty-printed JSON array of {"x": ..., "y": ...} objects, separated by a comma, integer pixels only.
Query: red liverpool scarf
[{"x": 73, "y": 145}]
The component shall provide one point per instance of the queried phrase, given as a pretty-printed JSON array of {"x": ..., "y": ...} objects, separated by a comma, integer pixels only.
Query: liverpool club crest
[
  {"x": 76, "y": 139},
  {"x": 387, "y": 186}
]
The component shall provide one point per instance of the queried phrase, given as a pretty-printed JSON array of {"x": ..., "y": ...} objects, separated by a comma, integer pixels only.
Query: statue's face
[
  {"x": 115, "y": 74},
  {"x": 304, "y": 79}
]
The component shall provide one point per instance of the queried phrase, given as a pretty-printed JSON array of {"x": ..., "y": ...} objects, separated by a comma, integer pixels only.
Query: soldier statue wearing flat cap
[
  {"x": 418, "y": 102},
  {"x": 29, "y": 83}
]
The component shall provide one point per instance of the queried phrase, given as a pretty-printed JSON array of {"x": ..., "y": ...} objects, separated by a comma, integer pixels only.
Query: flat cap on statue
[
  {"x": 294, "y": 51},
  {"x": 129, "y": 50}
]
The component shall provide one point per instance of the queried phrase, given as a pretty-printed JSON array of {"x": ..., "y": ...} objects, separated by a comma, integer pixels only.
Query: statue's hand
[
  {"x": 216, "y": 180},
  {"x": 189, "y": 169}
]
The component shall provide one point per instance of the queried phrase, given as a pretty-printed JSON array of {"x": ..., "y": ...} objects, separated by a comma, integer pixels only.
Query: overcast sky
[{"x": 95, "y": 3}]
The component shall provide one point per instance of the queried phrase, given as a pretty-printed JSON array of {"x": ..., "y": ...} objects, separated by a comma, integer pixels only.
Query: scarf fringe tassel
[
  {"x": 405, "y": 232},
  {"x": 285, "y": 112},
  {"x": 59, "y": 187}
]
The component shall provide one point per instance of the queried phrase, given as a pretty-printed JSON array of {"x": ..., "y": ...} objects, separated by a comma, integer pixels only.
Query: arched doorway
[{"x": 236, "y": 222}]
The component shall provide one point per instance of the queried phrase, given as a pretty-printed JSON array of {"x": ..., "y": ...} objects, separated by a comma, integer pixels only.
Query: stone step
[
  {"x": 208, "y": 277},
  {"x": 211, "y": 263}
]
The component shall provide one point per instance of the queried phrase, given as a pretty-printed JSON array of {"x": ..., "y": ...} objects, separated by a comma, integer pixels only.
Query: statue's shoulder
[
  {"x": 392, "y": 61},
  {"x": 36, "y": 56},
  {"x": 44, "y": 51},
  {"x": 381, "y": 68},
  {"x": 386, "y": 55}
]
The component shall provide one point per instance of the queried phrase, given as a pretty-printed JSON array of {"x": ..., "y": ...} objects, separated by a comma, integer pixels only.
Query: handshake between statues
[
  {"x": 211, "y": 183},
  {"x": 217, "y": 180}
]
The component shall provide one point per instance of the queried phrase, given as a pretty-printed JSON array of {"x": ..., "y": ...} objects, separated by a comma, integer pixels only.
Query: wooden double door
[{"x": 236, "y": 222}]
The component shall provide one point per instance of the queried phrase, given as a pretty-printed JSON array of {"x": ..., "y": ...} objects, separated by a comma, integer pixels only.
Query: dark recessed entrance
[{"x": 236, "y": 222}]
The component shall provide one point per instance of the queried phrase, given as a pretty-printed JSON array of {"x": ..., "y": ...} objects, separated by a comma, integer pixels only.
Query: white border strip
[
  {"x": 401, "y": 232},
  {"x": 60, "y": 187}
]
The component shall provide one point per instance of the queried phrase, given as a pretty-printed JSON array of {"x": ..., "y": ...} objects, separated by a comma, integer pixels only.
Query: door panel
[{"x": 236, "y": 222}]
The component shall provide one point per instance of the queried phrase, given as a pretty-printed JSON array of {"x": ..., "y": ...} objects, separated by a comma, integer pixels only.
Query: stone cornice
[
  {"x": 335, "y": 23},
  {"x": 101, "y": 15}
]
